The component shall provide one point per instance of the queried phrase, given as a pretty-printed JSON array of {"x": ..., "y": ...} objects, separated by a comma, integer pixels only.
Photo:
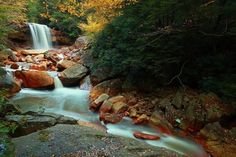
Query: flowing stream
[{"x": 73, "y": 102}]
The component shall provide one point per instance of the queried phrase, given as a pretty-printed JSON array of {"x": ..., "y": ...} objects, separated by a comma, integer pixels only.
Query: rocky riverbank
[{"x": 202, "y": 117}]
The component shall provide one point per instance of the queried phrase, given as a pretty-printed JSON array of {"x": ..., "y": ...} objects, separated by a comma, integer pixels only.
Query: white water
[
  {"x": 57, "y": 83},
  {"x": 41, "y": 36},
  {"x": 73, "y": 102}
]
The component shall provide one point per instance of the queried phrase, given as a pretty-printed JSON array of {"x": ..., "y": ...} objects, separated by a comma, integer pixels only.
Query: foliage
[
  {"x": 12, "y": 13},
  {"x": 168, "y": 38},
  {"x": 100, "y": 12},
  {"x": 58, "y": 14}
]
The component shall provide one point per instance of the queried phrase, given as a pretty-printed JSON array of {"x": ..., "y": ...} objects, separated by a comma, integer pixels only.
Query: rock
[
  {"x": 82, "y": 42},
  {"x": 7, "y": 53},
  {"x": 73, "y": 75},
  {"x": 160, "y": 123},
  {"x": 177, "y": 101},
  {"x": 118, "y": 98},
  {"x": 145, "y": 136},
  {"x": 29, "y": 59},
  {"x": 219, "y": 141},
  {"x": 110, "y": 118},
  {"x": 111, "y": 87},
  {"x": 133, "y": 113},
  {"x": 60, "y": 38},
  {"x": 98, "y": 102},
  {"x": 41, "y": 67},
  {"x": 141, "y": 119},
  {"x": 64, "y": 64},
  {"x": 32, "y": 52},
  {"x": 9, "y": 83},
  {"x": 85, "y": 142},
  {"x": 119, "y": 107},
  {"x": 106, "y": 107},
  {"x": 34, "y": 79},
  {"x": 14, "y": 66},
  {"x": 100, "y": 74},
  {"x": 38, "y": 58}
]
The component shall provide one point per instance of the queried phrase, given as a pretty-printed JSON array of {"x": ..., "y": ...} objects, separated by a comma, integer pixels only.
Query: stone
[
  {"x": 64, "y": 64},
  {"x": 100, "y": 74},
  {"x": 119, "y": 107},
  {"x": 145, "y": 136},
  {"x": 111, "y": 87},
  {"x": 106, "y": 107},
  {"x": 38, "y": 58},
  {"x": 133, "y": 113},
  {"x": 32, "y": 52},
  {"x": 9, "y": 83},
  {"x": 7, "y": 53},
  {"x": 98, "y": 102},
  {"x": 177, "y": 100},
  {"x": 82, "y": 42},
  {"x": 29, "y": 59},
  {"x": 14, "y": 66},
  {"x": 141, "y": 119},
  {"x": 73, "y": 75},
  {"x": 84, "y": 141},
  {"x": 110, "y": 118},
  {"x": 34, "y": 79},
  {"x": 118, "y": 98}
]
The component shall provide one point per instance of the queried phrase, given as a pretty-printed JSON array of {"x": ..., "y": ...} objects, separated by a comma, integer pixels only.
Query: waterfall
[
  {"x": 57, "y": 83},
  {"x": 41, "y": 36}
]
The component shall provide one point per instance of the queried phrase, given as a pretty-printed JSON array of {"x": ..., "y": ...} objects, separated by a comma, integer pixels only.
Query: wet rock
[
  {"x": 133, "y": 113},
  {"x": 119, "y": 107},
  {"x": 34, "y": 79},
  {"x": 141, "y": 119},
  {"x": 85, "y": 142},
  {"x": 106, "y": 107},
  {"x": 32, "y": 52},
  {"x": 145, "y": 136},
  {"x": 73, "y": 75},
  {"x": 111, "y": 87},
  {"x": 64, "y": 64},
  {"x": 98, "y": 102},
  {"x": 110, "y": 118},
  {"x": 41, "y": 67},
  {"x": 219, "y": 141},
  {"x": 9, "y": 83},
  {"x": 14, "y": 66},
  {"x": 29, "y": 59},
  {"x": 38, "y": 58}
]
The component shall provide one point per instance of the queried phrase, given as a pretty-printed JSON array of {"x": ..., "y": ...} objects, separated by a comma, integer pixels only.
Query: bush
[{"x": 167, "y": 38}]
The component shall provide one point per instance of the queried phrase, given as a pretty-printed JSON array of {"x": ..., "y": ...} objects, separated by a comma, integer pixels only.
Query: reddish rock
[
  {"x": 106, "y": 107},
  {"x": 145, "y": 136},
  {"x": 94, "y": 106},
  {"x": 110, "y": 118},
  {"x": 40, "y": 67},
  {"x": 119, "y": 107},
  {"x": 14, "y": 66},
  {"x": 34, "y": 79},
  {"x": 141, "y": 119},
  {"x": 39, "y": 58}
]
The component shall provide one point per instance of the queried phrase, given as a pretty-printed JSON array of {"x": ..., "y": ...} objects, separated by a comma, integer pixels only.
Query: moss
[{"x": 44, "y": 136}]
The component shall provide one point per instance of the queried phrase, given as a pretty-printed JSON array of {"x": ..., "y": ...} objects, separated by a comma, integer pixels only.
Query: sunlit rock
[{"x": 145, "y": 136}]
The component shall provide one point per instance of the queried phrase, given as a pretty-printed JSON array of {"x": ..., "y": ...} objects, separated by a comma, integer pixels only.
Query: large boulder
[
  {"x": 35, "y": 79},
  {"x": 75, "y": 140},
  {"x": 73, "y": 75},
  {"x": 9, "y": 83},
  {"x": 64, "y": 64}
]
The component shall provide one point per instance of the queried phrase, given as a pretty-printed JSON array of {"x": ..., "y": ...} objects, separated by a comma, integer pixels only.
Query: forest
[{"x": 165, "y": 69}]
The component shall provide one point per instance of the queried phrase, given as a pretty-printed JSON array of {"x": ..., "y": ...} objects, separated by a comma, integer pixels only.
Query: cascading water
[{"x": 41, "y": 36}]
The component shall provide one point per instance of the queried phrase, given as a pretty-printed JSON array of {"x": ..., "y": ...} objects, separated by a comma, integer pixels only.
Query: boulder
[
  {"x": 100, "y": 74},
  {"x": 9, "y": 83},
  {"x": 73, "y": 75},
  {"x": 220, "y": 142},
  {"x": 145, "y": 136},
  {"x": 110, "y": 118},
  {"x": 106, "y": 107},
  {"x": 98, "y": 102},
  {"x": 111, "y": 87},
  {"x": 64, "y": 64},
  {"x": 118, "y": 98},
  {"x": 143, "y": 119},
  {"x": 32, "y": 52},
  {"x": 14, "y": 66},
  {"x": 119, "y": 107},
  {"x": 82, "y": 42},
  {"x": 41, "y": 67},
  {"x": 83, "y": 141},
  {"x": 7, "y": 53},
  {"x": 34, "y": 79}
]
